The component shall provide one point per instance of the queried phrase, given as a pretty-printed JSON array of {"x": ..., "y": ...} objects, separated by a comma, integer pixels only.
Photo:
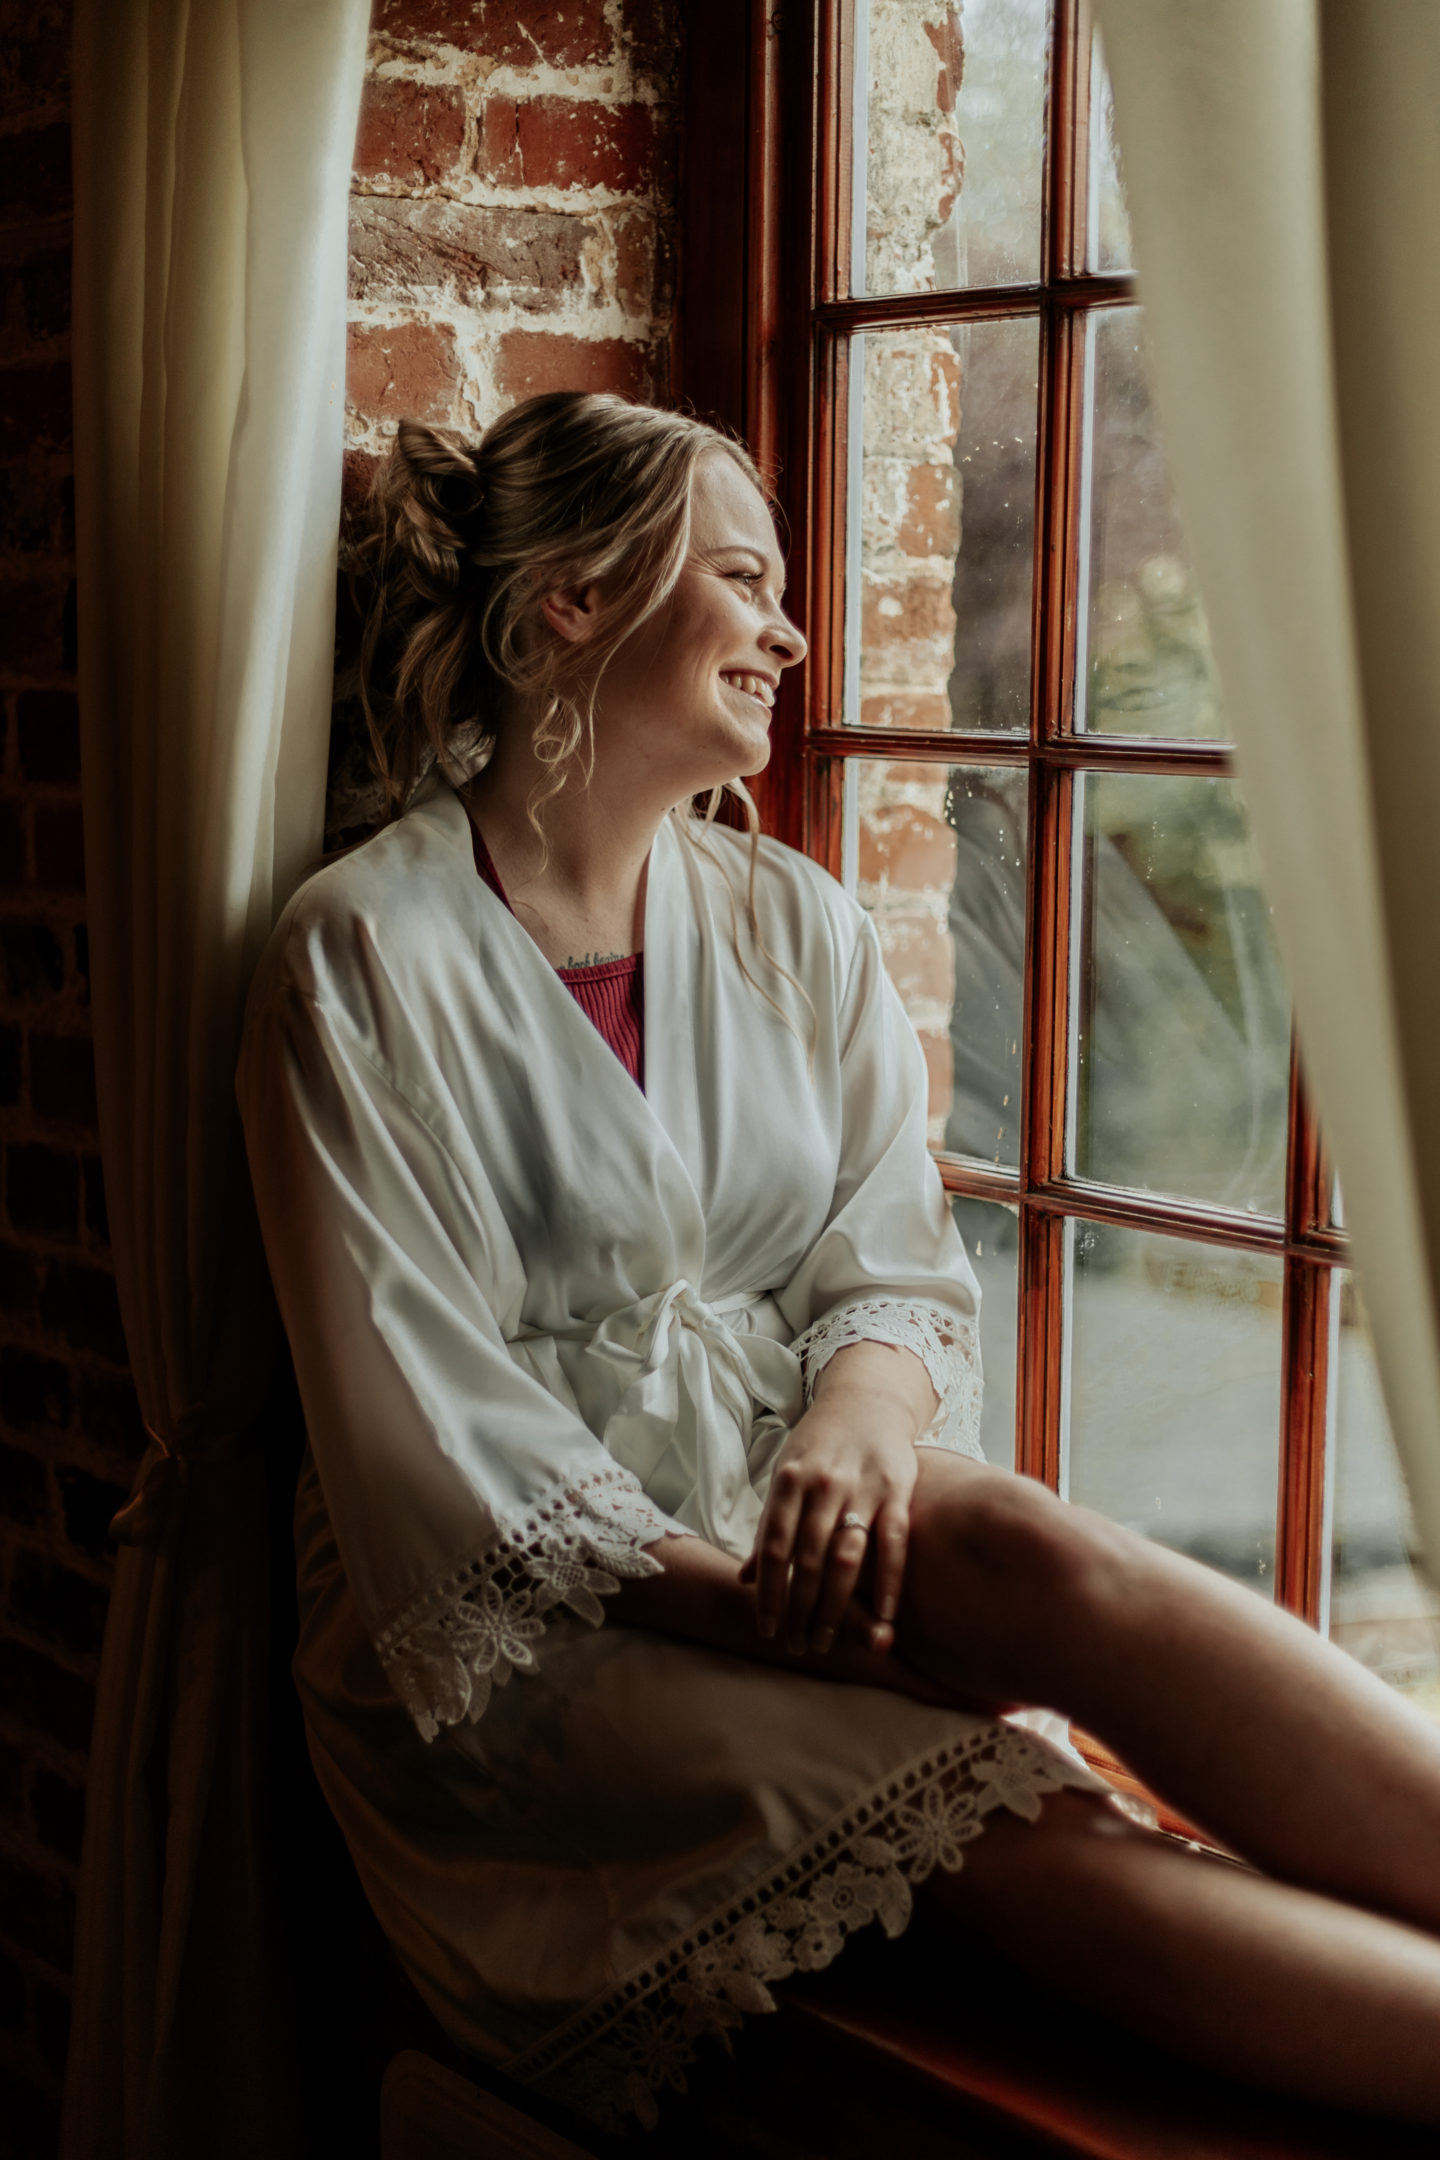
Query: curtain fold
[
  {"x": 213, "y": 143},
  {"x": 1282, "y": 165}
]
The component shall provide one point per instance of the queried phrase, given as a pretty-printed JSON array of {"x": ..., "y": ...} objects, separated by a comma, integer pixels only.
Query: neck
[{"x": 597, "y": 838}]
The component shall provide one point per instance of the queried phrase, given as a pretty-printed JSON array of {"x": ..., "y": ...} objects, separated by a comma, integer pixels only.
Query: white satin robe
[{"x": 539, "y": 1320}]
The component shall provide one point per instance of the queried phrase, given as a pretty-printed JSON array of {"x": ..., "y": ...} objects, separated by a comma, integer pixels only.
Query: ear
[{"x": 573, "y": 613}]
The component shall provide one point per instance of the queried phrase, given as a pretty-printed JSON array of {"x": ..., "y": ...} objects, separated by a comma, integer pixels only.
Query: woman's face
[{"x": 686, "y": 702}]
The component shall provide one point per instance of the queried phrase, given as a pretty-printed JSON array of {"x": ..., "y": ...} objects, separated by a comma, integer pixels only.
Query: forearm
[
  {"x": 699, "y": 1595},
  {"x": 879, "y": 1380}
]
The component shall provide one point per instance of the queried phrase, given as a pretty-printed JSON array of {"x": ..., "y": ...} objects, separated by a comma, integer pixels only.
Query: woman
[{"x": 704, "y": 1348}]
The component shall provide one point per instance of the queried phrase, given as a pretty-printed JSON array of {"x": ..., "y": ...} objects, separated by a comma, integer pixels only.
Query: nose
[{"x": 785, "y": 641}]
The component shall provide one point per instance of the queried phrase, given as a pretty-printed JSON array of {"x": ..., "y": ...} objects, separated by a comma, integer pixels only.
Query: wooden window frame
[{"x": 762, "y": 344}]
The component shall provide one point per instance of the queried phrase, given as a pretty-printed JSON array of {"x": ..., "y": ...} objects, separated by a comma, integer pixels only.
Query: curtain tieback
[{"x": 164, "y": 1470}]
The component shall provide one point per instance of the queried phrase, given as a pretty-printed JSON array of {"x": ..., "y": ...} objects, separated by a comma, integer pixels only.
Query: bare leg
[
  {"x": 1236, "y": 1714},
  {"x": 1276, "y": 1986}
]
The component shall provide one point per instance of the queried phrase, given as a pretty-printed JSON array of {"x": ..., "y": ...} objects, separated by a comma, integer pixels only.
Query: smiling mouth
[{"x": 757, "y": 686}]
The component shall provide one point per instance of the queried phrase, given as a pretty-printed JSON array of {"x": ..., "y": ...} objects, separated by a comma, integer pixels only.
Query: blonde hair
[{"x": 464, "y": 541}]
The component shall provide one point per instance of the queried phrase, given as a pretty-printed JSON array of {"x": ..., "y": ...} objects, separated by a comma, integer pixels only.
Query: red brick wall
[{"x": 513, "y": 208}]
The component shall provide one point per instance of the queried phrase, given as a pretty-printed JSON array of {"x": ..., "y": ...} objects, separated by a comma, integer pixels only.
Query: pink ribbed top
[{"x": 611, "y": 995}]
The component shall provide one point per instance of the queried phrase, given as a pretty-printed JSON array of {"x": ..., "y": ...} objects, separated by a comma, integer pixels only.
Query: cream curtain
[
  {"x": 212, "y": 160},
  {"x": 1282, "y": 161}
]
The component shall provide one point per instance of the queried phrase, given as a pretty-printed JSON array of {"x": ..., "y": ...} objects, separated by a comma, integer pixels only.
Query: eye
[{"x": 748, "y": 578}]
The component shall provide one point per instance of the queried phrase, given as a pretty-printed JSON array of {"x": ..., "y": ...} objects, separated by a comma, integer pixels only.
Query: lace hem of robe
[
  {"x": 947, "y": 1345},
  {"x": 572, "y": 1550},
  {"x": 613, "y": 2059}
]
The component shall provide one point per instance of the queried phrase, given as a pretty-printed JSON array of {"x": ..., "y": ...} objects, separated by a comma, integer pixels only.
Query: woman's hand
[{"x": 852, "y": 1454}]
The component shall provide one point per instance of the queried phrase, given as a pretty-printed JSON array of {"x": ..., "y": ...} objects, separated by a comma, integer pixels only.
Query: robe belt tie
[{"x": 683, "y": 1372}]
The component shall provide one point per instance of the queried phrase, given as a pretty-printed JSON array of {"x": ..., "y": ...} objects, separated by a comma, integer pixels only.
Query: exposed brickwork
[
  {"x": 510, "y": 232},
  {"x": 511, "y": 217},
  {"x": 511, "y": 226},
  {"x": 59, "y": 1337}
]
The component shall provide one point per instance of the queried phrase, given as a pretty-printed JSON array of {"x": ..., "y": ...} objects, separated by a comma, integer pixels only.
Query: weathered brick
[
  {"x": 511, "y": 33},
  {"x": 359, "y": 477},
  {"x": 19, "y": 1279},
  {"x": 929, "y": 709},
  {"x": 490, "y": 257},
  {"x": 22, "y": 1486},
  {"x": 904, "y": 611},
  {"x": 642, "y": 264},
  {"x": 907, "y": 849},
  {"x": 36, "y": 1913},
  {"x": 59, "y": 847},
  {"x": 31, "y": 959},
  {"x": 58, "y": 1809},
  {"x": 12, "y": 1794},
  {"x": 49, "y": 725},
  {"x": 62, "y": 1079},
  {"x": 12, "y": 1994},
  {"x": 35, "y": 174},
  {"x": 32, "y": 2116},
  {"x": 54, "y": 1602},
  {"x": 109, "y": 1416},
  {"x": 37, "y": 1692},
  {"x": 44, "y": 295},
  {"x": 10, "y": 1064},
  {"x": 79, "y": 1303},
  {"x": 52, "y": 2025},
  {"x": 42, "y": 1189},
  {"x": 89, "y": 1503},
  {"x": 931, "y": 525},
  {"x": 13, "y": 834},
  {"x": 34, "y": 1390},
  {"x": 534, "y": 360},
  {"x": 410, "y": 133},
  {"x": 30, "y": 508},
  {"x": 408, "y": 371},
  {"x": 32, "y": 624},
  {"x": 34, "y": 408},
  {"x": 551, "y": 142},
  {"x": 97, "y": 1215}
]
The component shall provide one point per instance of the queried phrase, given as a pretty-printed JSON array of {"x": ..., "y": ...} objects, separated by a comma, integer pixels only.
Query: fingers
[
  {"x": 891, "y": 1535},
  {"x": 775, "y": 1546},
  {"x": 849, "y": 1545}
]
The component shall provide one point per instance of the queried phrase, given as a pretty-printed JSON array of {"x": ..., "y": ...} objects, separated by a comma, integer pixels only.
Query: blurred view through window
[{"x": 1041, "y": 814}]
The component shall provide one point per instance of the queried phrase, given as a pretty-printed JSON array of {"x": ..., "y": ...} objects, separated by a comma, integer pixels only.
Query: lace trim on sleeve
[
  {"x": 947, "y": 1345},
  {"x": 572, "y": 1550}
]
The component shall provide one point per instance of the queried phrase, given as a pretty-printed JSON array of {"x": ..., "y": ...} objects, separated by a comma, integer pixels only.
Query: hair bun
[{"x": 437, "y": 493}]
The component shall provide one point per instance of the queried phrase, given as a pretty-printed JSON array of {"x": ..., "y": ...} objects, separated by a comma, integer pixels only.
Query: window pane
[
  {"x": 943, "y": 527},
  {"x": 1182, "y": 1046},
  {"x": 1174, "y": 1394},
  {"x": 1382, "y": 1608},
  {"x": 1146, "y": 666},
  {"x": 940, "y": 861},
  {"x": 1107, "y": 240},
  {"x": 992, "y": 1239},
  {"x": 949, "y": 136}
]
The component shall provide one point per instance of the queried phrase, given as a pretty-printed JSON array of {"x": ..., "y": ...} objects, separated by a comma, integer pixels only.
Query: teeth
[{"x": 753, "y": 685}]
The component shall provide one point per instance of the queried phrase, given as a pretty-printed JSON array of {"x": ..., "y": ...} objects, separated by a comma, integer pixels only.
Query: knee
[{"x": 1027, "y": 1551}]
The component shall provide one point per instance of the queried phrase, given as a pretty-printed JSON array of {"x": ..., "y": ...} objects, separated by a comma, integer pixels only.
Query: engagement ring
[{"x": 852, "y": 1521}]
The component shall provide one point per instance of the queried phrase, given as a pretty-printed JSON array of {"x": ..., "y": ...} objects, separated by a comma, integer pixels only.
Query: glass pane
[
  {"x": 943, "y": 527},
  {"x": 1146, "y": 666},
  {"x": 1107, "y": 240},
  {"x": 1174, "y": 1396},
  {"x": 940, "y": 862},
  {"x": 1182, "y": 1051},
  {"x": 992, "y": 1238},
  {"x": 1383, "y": 1610},
  {"x": 949, "y": 143}
]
